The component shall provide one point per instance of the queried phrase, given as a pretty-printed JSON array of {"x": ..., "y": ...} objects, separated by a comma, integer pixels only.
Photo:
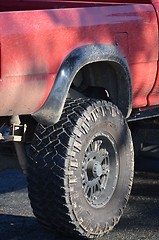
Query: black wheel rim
[{"x": 100, "y": 170}]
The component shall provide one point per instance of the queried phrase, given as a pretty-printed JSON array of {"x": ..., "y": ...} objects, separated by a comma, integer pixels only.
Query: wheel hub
[
  {"x": 100, "y": 170},
  {"x": 97, "y": 169}
]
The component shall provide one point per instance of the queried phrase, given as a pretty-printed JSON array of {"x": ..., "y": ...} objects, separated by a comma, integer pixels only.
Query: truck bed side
[{"x": 35, "y": 43}]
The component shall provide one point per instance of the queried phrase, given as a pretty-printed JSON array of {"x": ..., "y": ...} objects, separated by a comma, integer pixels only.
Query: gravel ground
[{"x": 140, "y": 220}]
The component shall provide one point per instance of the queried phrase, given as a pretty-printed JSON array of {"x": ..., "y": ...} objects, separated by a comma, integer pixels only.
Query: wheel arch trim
[{"x": 51, "y": 111}]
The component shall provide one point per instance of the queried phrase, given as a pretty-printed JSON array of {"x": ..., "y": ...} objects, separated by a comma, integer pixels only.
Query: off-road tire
[{"x": 81, "y": 169}]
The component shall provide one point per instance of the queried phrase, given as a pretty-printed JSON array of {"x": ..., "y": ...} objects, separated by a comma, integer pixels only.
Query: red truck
[{"x": 74, "y": 75}]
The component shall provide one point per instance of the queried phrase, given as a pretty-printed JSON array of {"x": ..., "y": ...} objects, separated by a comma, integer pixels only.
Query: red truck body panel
[
  {"x": 154, "y": 94},
  {"x": 35, "y": 43},
  {"x": 45, "y": 4}
]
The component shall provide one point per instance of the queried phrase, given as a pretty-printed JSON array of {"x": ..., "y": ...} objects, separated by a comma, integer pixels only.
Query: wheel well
[
  {"x": 83, "y": 70},
  {"x": 98, "y": 80}
]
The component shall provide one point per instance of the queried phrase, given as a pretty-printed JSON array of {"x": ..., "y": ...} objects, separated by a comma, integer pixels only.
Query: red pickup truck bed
[{"x": 35, "y": 43}]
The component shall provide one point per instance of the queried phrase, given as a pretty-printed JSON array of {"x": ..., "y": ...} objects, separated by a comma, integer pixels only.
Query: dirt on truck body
[{"x": 75, "y": 78}]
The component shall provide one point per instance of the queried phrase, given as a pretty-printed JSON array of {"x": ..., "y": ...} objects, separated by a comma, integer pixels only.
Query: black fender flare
[{"x": 51, "y": 111}]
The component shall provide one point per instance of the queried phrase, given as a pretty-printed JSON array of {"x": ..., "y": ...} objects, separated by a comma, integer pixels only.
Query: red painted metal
[
  {"x": 35, "y": 43},
  {"x": 154, "y": 94},
  {"x": 44, "y": 4}
]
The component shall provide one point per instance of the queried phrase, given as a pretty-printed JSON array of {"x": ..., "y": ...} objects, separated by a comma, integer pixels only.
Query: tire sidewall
[{"x": 118, "y": 129}]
